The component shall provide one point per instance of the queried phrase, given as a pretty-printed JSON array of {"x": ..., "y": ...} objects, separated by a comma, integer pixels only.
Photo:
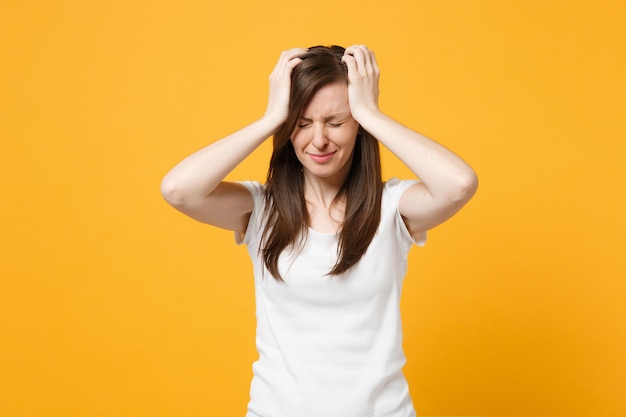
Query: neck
[
  {"x": 325, "y": 211},
  {"x": 321, "y": 192}
]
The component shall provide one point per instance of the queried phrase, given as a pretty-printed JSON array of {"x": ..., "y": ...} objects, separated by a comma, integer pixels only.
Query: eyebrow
[{"x": 337, "y": 116}]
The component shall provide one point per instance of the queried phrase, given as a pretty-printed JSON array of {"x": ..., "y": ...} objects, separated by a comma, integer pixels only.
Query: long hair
[{"x": 285, "y": 207}]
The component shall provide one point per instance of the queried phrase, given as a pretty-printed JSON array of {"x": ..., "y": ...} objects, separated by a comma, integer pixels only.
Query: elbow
[
  {"x": 171, "y": 192},
  {"x": 465, "y": 187}
]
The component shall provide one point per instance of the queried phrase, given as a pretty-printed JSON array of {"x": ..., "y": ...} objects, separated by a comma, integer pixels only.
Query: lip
[{"x": 322, "y": 157}]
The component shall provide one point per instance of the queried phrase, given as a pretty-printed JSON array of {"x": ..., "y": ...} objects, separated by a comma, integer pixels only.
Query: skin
[
  {"x": 195, "y": 186},
  {"x": 325, "y": 136},
  {"x": 324, "y": 141}
]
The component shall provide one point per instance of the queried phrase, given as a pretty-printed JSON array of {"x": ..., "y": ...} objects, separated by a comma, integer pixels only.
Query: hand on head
[
  {"x": 363, "y": 77},
  {"x": 280, "y": 84}
]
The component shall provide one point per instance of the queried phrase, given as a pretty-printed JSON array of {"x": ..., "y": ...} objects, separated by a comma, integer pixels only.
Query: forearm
[
  {"x": 443, "y": 173},
  {"x": 191, "y": 183},
  {"x": 201, "y": 172}
]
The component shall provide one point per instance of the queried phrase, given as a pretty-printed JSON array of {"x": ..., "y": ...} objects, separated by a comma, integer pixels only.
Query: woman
[{"x": 328, "y": 238}]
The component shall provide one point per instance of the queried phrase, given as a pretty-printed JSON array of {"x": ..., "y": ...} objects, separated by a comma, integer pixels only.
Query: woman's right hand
[
  {"x": 196, "y": 186},
  {"x": 280, "y": 85}
]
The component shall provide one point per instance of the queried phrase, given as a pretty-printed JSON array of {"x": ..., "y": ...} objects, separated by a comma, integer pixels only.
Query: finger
[
  {"x": 365, "y": 61},
  {"x": 373, "y": 61},
  {"x": 352, "y": 48},
  {"x": 287, "y": 61},
  {"x": 351, "y": 64},
  {"x": 295, "y": 56},
  {"x": 290, "y": 55},
  {"x": 369, "y": 59},
  {"x": 296, "y": 53},
  {"x": 355, "y": 52}
]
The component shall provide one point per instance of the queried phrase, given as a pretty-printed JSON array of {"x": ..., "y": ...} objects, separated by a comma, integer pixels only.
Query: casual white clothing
[{"x": 331, "y": 346}]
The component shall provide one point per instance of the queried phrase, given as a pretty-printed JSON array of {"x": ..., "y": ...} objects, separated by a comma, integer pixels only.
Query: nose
[{"x": 319, "y": 139}]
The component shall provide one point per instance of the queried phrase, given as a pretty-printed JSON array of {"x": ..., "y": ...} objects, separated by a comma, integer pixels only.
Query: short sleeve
[
  {"x": 395, "y": 188},
  {"x": 257, "y": 190}
]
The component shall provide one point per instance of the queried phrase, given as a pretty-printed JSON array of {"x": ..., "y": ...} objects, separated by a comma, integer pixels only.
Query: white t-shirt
[{"x": 331, "y": 346}]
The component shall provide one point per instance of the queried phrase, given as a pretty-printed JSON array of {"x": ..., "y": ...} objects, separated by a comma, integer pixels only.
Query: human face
[{"x": 325, "y": 134}]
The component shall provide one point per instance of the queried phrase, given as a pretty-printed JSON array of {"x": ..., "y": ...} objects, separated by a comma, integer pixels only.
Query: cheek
[
  {"x": 347, "y": 138},
  {"x": 296, "y": 138},
  {"x": 295, "y": 141}
]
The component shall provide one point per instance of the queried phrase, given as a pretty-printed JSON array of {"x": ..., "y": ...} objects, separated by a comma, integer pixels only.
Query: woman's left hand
[{"x": 363, "y": 76}]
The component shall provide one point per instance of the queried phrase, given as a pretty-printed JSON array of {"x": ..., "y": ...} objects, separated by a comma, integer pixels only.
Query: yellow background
[{"x": 112, "y": 304}]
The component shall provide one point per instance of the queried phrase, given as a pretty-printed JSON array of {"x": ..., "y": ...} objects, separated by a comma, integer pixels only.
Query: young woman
[{"x": 328, "y": 238}]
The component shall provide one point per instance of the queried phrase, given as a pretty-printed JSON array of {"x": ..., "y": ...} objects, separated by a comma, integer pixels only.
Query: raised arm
[
  {"x": 195, "y": 185},
  {"x": 447, "y": 182}
]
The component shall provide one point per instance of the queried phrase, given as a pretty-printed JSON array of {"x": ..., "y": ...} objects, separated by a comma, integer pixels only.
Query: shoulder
[
  {"x": 393, "y": 191},
  {"x": 255, "y": 220},
  {"x": 394, "y": 188},
  {"x": 256, "y": 190},
  {"x": 254, "y": 187}
]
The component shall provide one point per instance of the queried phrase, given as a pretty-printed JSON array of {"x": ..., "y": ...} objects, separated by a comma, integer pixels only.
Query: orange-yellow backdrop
[{"x": 113, "y": 304}]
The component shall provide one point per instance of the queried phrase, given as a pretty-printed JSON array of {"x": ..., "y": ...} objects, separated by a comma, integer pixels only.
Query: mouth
[{"x": 321, "y": 158}]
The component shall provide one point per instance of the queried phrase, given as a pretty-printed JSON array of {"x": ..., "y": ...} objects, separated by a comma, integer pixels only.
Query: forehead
[{"x": 330, "y": 99}]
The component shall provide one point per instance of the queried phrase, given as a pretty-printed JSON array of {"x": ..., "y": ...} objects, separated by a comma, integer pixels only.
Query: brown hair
[{"x": 285, "y": 208}]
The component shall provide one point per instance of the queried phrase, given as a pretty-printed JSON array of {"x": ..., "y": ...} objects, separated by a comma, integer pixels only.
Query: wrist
[
  {"x": 272, "y": 120},
  {"x": 368, "y": 116}
]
